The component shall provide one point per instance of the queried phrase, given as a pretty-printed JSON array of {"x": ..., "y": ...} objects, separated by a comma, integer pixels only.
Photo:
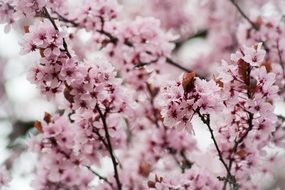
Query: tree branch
[
  {"x": 108, "y": 144},
  {"x": 244, "y": 15},
  {"x": 238, "y": 142},
  {"x": 173, "y": 63},
  {"x": 99, "y": 176},
  {"x": 179, "y": 43},
  {"x": 229, "y": 177},
  {"x": 114, "y": 39},
  {"x": 250, "y": 127},
  {"x": 47, "y": 15},
  {"x": 110, "y": 148}
]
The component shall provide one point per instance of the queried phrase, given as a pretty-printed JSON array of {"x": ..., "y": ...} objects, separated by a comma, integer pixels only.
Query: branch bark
[
  {"x": 110, "y": 147},
  {"x": 244, "y": 15},
  {"x": 102, "y": 116},
  {"x": 99, "y": 176},
  {"x": 114, "y": 40},
  {"x": 231, "y": 178},
  {"x": 47, "y": 15}
]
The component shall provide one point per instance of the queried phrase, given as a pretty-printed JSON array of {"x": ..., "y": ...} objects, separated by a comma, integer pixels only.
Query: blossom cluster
[
  {"x": 6, "y": 15},
  {"x": 91, "y": 90},
  {"x": 29, "y": 8},
  {"x": 59, "y": 165},
  {"x": 183, "y": 99},
  {"x": 94, "y": 15},
  {"x": 140, "y": 43},
  {"x": 48, "y": 42},
  {"x": 241, "y": 97},
  {"x": 196, "y": 178},
  {"x": 270, "y": 32}
]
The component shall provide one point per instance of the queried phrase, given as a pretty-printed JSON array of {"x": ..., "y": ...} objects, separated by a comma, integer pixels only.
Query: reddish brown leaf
[
  {"x": 242, "y": 153},
  {"x": 47, "y": 118},
  {"x": 42, "y": 52},
  {"x": 144, "y": 169},
  {"x": 268, "y": 65},
  {"x": 243, "y": 69},
  {"x": 38, "y": 126},
  {"x": 259, "y": 21},
  {"x": 67, "y": 94},
  {"x": 188, "y": 81},
  {"x": 151, "y": 184},
  {"x": 26, "y": 29}
]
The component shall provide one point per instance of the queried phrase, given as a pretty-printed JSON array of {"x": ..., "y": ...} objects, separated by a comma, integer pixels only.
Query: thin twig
[
  {"x": 281, "y": 117},
  {"x": 99, "y": 176},
  {"x": 114, "y": 40},
  {"x": 238, "y": 142},
  {"x": 153, "y": 109},
  {"x": 179, "y": 43},
  {"x": 66, "y": 20},
  {"x": 108, "y": 144},
  {"x": 229, "y": 177},
  {"x": 110, "y": 147},
  {"x": 186, "y": 163},
  {"x": 46, "y": 13},
  {"x": 250, "y": 127},
  {"x": 244, "y": 15},
  {"x": 101, "y": 138},
  {"x": 173, "y": 63}
]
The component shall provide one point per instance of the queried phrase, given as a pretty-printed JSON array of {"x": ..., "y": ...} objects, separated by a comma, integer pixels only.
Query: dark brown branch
[
  {"x": 102, "y": 116},
  {"x": 281, "y": 117},
  {"x": 230, "y": 177},
  {"x": 101, "y": 138},
  {"x": 99, "y": 176},
  {"x": 239, "y": 141},
  {"x": 244, "y": 15},
  {"x": 173, "y": 63},
  {"x": 47, "y": 15},
  {"x": 66, "y": 20},
  {"x": 114, "y": 40},
  {"x": 179, "y": 43},
  {"x": 153, "y": 109},
  {"x": 110, "y": 147},
  {"x": 186, "y": 163}
]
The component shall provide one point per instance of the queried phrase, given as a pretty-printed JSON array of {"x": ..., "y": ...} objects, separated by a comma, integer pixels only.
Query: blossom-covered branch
[{"x": 110, "y": 147}]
